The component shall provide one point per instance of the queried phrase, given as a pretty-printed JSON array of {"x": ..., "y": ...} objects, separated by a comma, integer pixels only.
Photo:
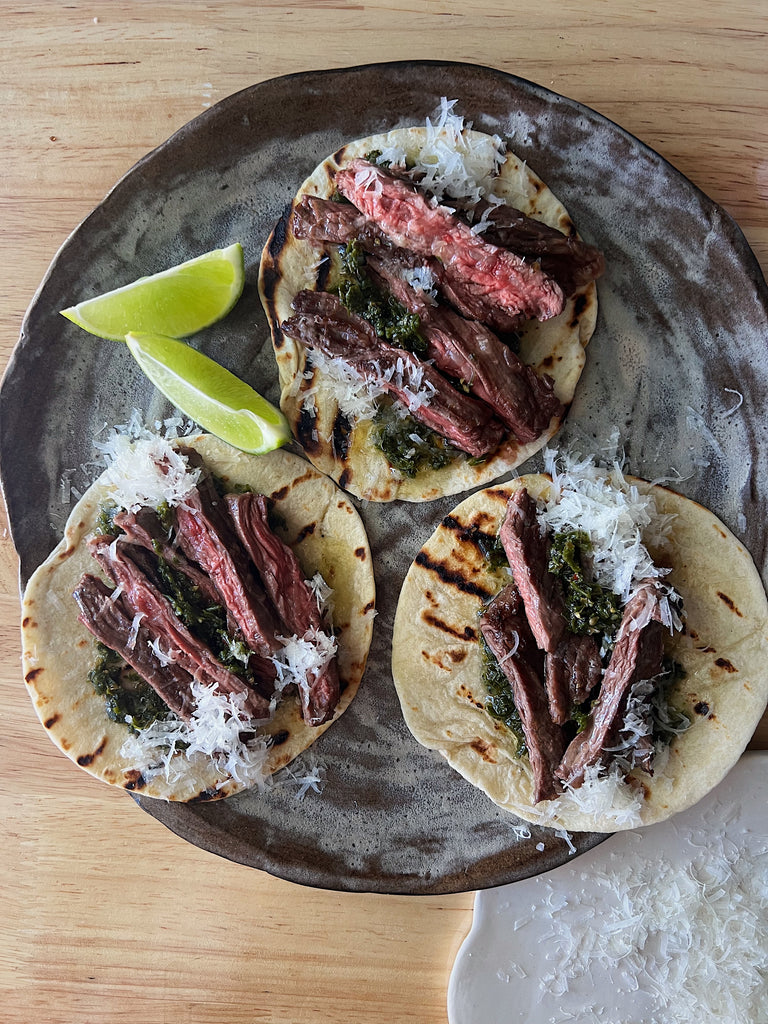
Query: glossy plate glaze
[{"x": 681, "y": 335}]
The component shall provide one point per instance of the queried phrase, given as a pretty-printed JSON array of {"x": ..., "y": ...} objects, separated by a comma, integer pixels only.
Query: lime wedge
[
  {"x": 209, "y": 394},
  {"x": 175, "y": 302}
]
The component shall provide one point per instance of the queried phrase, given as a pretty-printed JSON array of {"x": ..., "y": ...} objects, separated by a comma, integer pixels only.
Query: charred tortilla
[
  {"x": 291, "y": 265},
  {"x": 723, "y": 650},
  {"x": 316, "y": 521}
]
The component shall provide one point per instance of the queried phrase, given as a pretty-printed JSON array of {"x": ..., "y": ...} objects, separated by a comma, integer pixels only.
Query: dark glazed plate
[{"x": 681, "y": 336}]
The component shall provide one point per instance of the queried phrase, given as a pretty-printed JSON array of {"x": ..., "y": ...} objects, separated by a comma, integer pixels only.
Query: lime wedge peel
[
  {"x": 176, "y": 302},
  {"x": 209, "y": 394}
]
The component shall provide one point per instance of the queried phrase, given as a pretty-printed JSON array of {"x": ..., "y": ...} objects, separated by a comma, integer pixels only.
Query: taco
[
  {"x": 206, "y": 617},
  {"x": 429, "y": 303},
  {"x": 589, "y": 650}
]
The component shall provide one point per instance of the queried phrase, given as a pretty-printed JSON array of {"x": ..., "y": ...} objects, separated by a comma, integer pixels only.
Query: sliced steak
[
  {"x": 285, "y": 585},
  {"x": 527, "y": 549},
  {"x": 321, "y": 321},
  {"x": 144, "y": 528},
  {"x": 507, "y": 633},
  {"x": 121, "y": 562},
  {"x": 572, "y": 671},
  {"x": 565, "y": 258},
  {"x": 325, "y": 222},
  {"x": 207, "y": 537},
  {"x": 473, "y": 354},
  {"x": 110, "y": 622},
  {"x": 637, "y": 655},
  {"x": 495, "y": 278}
]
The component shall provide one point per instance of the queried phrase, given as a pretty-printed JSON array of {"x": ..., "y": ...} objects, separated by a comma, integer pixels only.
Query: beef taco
[
  {"x": 430, "y": 303},
  {"x": 589, "y": 650},
  {"x": 205, "y": 618}
]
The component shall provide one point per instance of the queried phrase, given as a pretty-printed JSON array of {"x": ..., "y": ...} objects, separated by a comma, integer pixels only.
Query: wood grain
[{"x": 106, "y": 916}]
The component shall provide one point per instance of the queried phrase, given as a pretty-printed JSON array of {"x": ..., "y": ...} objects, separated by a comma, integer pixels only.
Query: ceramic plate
[
  {"x": 585, "y": 942},
  {"x": 680, "y": 343}
]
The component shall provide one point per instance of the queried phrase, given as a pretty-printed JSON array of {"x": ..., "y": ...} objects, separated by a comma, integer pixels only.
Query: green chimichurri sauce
[
  {"x": 127, "y": 697},
  {"x": 500, "y": 703},
  {"x": 590, "y": 607},
  {"x": 105, "y": 521},
  {"x": 408, "y": 445},
  {"x": 389, "y": 318},
  {"x": 207, "y": 621}
]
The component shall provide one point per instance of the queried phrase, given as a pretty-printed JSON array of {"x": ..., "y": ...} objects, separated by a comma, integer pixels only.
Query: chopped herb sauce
[
  {"x": 408, "y": 445},
  {"x": 384, "y": 313},
  {"x": 127, "y": 697},
  {"x": 668, "y": 720},
  {"x": 490, "y": 548},
  {"x": 207, "y": 621},
  {"x": 105, "y": 521},
  {"x": 499, "y": 703},
  {"x": 590, "y": 608}
]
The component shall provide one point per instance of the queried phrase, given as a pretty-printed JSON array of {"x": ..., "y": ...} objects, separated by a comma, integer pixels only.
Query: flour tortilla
[
  {"x": 724, "y": 651},
  {"x": 328, "y": 537},
  {"x": 555, "y": 347}
]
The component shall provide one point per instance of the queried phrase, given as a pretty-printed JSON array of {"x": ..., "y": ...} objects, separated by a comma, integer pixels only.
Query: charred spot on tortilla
[
  {"x": 306, "y": 531},
  {"x": 306, "y": 431},
  {"x": 86, "y": 759},
  {"x": 729, "y": 601},
  {"x": 725, "y": 664},
  {"x": 342, "y": 435},
  {"x": 452, "y": 578},
  {"x": 134, "y": 780},
  {"x": 465, "y": 325},
  {"x": 467, "y": 633}
]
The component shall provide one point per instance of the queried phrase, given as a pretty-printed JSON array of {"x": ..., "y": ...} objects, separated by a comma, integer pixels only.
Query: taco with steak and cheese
[
  {"x": 430, "y": 303},
  {"x": 205, "y": 618},
  {"x": 587, "y": 648}
]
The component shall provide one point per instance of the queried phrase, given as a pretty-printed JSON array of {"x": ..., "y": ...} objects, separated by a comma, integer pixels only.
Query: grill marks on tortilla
[
  {"x": 271, "y": 269},
  {"x": 85, "y": 760},
  {"x": 452, "y": 575},
  {"x": 730, "y": 603}
]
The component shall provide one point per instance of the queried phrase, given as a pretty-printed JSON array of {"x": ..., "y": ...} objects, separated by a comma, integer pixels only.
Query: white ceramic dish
[{"x": 615, "y": 935}]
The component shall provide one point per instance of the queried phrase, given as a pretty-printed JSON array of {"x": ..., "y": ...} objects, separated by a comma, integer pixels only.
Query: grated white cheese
[
  {"x": 355, "y": 396},
  {"x": 302, "y": 658},
  {"x": 739, "y": 401},
  {"x": 148, "y": 472},
  {"x": 422, "y": 279},
  {"x": 616, "y": 517},
  {"x": 169, "y": 746},
  {"x": 602, "y": 795},
  {"x": 689, "y": 933},
  {"x": 451, "y": 164},
  {"x": 312, "y": 780},
  {"x": 323, "y": 594}
]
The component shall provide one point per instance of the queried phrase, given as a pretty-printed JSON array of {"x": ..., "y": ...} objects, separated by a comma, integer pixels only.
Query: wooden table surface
[{"x": 106, "y": 916}]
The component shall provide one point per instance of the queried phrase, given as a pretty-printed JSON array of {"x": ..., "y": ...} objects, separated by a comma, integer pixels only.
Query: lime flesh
[
  {"x": 208, "y": 393},
  {"x": 176, "y": 302}
]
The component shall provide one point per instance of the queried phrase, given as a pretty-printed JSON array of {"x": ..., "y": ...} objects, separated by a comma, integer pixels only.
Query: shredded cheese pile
[
  {"x": 689, "y": 932},
  {"x": 450, "y": 163},
  {"x": 214, "y": 732},
  {"x": 617, "y": 519}
]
